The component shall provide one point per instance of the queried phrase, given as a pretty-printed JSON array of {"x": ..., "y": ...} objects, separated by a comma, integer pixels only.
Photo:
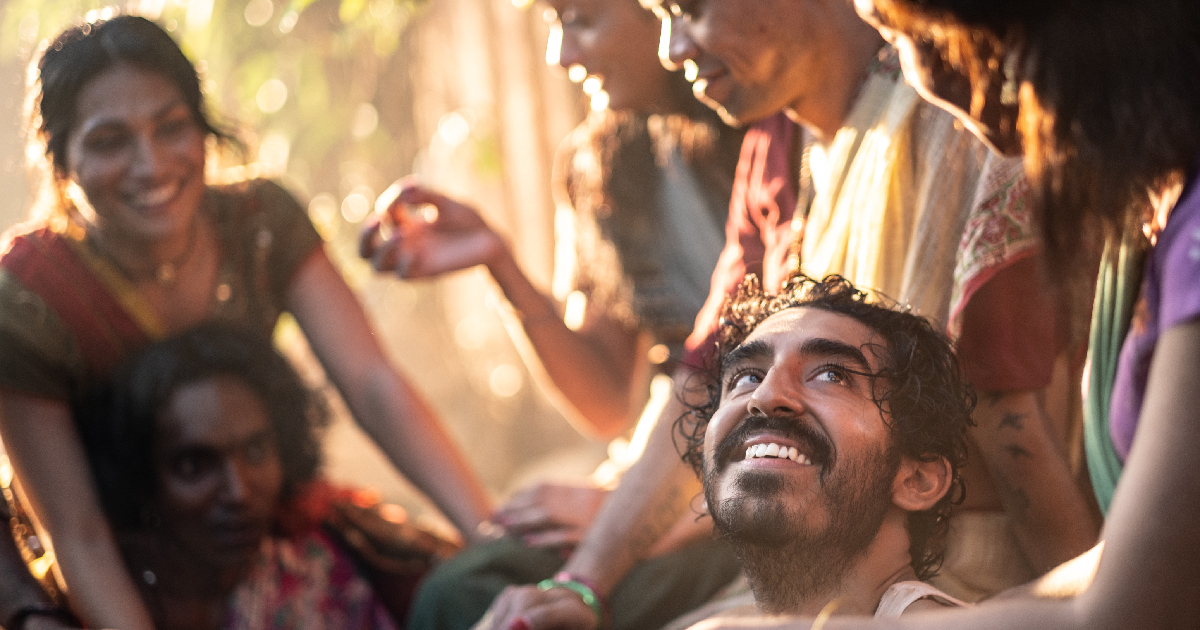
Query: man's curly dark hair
[
  {"x": 118, "y": 422},
  {"x": 918, "y": 385}
]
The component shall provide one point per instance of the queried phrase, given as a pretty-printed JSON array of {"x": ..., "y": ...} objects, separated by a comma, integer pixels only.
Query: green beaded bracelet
[{"x": 584, "y": 591}]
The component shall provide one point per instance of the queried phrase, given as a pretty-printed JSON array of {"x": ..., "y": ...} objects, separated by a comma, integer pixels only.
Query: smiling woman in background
[{"x": 129, "y": 243}]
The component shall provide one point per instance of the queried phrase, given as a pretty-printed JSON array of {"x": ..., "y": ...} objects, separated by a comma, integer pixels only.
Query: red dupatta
[{"x": 99, "y": 307}]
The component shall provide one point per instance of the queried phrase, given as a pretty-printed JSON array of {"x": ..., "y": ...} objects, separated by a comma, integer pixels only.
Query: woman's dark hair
[
  {"x": 609, "y": 169},
  {"x": 81, "y": 53},
  {"x": 118, "y": 422},
  {"x": 919, "y": 388},
  {"x": 1115, "y": 105}
]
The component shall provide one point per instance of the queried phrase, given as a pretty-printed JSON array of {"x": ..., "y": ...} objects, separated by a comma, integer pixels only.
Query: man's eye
[
  {"x": 743, "y": 378},
  {"x": 832, "y": 374}
]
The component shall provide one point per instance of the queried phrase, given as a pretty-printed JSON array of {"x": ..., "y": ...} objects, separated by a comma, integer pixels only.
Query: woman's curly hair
[
  {"x": 118, "y": 422},
  {"x": 919, "y": 389}
]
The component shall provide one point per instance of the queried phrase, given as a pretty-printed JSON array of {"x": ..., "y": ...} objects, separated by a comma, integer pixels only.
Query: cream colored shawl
[{"x": 893, "y": 190}]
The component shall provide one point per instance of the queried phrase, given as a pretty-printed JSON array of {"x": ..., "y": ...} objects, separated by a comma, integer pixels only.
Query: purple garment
[{"x": 1170, "y": 295}]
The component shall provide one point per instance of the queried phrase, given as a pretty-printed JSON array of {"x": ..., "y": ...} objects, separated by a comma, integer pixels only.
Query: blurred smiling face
[
  {"x": 753, "y": 57},
  {"x": 137, "y": 152},
  {"x": 616, "y": 41},
  {"x": 219, "y": 473},
  {"x": 797, "y": 449}
]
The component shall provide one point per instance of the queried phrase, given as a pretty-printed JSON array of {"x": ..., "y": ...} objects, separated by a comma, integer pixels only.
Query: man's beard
[{"x": 785, "y": 559}]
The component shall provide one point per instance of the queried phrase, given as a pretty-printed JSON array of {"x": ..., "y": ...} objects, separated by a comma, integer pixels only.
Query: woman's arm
[
  {"x": 593, "y": 368},
  {"x": 53, "y": 473},
  {"x": 395, "y": 416},
  {"x": 19, "y": 592}
]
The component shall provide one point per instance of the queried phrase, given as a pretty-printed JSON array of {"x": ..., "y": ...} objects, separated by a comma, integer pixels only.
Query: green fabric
[
  {"x": 457, "y": 593},
  {"x": 1116, "y": 293}
]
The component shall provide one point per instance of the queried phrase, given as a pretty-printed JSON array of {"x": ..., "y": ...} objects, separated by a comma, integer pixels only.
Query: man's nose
[
  {"x": 570, "y": 53},
  {"x": 679, "y": 43},
  {"x": 777, "y": 395}
]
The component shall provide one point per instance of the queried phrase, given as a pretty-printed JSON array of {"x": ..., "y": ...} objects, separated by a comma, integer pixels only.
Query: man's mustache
[{"x": 793, "y": 427}]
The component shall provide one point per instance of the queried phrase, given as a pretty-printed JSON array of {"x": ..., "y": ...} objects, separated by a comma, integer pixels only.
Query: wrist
[
  {"x": 586, "y": 591},
  {"x": 499, "y": 260}
]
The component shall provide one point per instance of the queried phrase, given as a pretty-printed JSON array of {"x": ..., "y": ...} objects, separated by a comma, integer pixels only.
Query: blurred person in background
[
  {"x": 129, "y": 243},
  {"x": 205, "y": 449},
  {"x": 643, "y": 186}
]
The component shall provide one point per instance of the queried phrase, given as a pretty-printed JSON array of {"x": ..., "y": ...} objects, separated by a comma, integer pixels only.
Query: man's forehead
[
  {"x": 802, "y": 322},
  {"x": 808, "y": 331}
]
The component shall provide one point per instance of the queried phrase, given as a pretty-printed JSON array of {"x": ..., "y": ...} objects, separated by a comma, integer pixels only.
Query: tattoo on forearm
[
  {"x": 1013, "y": 420},
  {"x": 1017, "y": 451},
  {"x": 1016, "y": 502}
]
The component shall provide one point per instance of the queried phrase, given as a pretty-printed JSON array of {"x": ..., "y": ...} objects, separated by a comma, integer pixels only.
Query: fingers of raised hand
[
  {"x": 395, "y": 254},
  {"x": 370, "y": 237}
]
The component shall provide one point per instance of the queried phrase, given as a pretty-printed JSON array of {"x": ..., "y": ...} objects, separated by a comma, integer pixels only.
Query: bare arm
[
  {"x": 593, "y": 368},
  {"x": 1151, "y": 560},
  {"x": 651, "y": 498},
  {"x": 1046, "y": 509},
  {"x": 395, "y": 416},
  {"x": 18, "y": 589},
  {"x": 52, "y": 469}
]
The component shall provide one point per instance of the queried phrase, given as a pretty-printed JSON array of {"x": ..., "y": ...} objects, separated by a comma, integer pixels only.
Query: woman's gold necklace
[{"x": 164, "y": 273}]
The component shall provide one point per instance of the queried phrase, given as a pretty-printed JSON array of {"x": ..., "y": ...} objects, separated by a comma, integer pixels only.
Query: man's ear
[{"x": 919, "y": 485}]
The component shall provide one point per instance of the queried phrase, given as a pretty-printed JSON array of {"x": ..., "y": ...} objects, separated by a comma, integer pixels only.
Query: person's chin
[
  {"x": 236, "y": 544},
  {"x": 754, "y": 521}
]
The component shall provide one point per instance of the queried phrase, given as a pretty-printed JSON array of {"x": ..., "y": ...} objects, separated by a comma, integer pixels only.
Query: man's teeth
[{"x": 779, "y": 452}]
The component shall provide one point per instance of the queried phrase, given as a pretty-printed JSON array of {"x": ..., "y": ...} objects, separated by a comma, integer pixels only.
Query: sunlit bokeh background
[{"x": 339, "y": 98}]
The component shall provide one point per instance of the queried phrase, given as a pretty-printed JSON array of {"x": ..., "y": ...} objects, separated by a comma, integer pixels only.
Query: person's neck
[
  {"x": 191, "y": 594},
  {"x": 824, "y": 111},
  {"x": 144, "y": 259},
  {"x": 799, "y": 581}
]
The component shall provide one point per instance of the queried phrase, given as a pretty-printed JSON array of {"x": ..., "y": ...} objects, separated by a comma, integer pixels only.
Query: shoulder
[
  {"x": 266, "y": 192},
  {"x": 1177, "y": 256},
  {"x": 39, "y": 351},
  {"x": 913, "y": 595}
]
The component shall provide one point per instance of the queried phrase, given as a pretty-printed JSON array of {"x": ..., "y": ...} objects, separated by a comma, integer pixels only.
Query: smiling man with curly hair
[{"x": 829, "y": 447}]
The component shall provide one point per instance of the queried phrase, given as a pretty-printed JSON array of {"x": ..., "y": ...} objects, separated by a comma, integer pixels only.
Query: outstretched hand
[
  {"x": 445, "y": 235},
  {"x": 550, "y": 515}
]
